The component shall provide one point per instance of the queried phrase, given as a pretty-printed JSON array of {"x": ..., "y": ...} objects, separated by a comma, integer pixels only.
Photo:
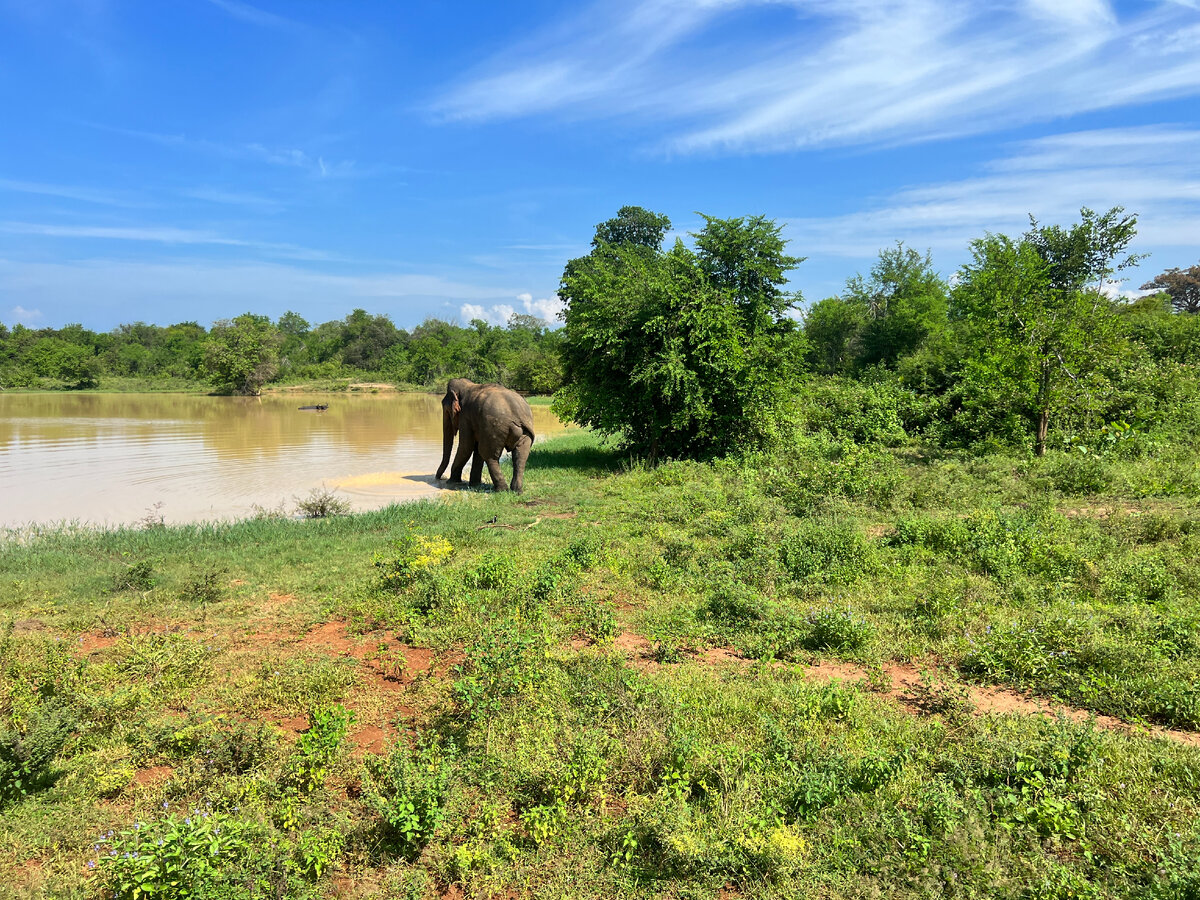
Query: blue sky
[{"x": 195, "y": 159}]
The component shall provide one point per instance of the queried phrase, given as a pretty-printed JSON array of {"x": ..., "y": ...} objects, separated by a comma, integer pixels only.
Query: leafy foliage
[{"x": 678, "y": 353}]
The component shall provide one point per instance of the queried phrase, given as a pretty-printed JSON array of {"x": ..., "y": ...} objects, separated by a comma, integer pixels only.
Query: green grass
[{"x": 478, "y": 722}]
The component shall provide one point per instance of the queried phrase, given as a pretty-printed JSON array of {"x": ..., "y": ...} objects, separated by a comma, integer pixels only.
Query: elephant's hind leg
[
  {"x": 520, "y": 454},
  {"x": 498, "y": 482}
]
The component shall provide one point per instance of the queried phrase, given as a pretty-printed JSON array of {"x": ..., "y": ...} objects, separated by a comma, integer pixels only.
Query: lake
[{"x": 109, "y": 459}]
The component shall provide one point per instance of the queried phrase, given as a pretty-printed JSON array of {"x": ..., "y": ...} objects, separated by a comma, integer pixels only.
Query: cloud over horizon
[{"x": 834, "y": 73}]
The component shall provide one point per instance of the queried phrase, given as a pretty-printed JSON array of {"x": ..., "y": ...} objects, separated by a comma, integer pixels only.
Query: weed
[
  {"x": 153, "y": 517},
  {"x": 175, "y": 858},
  {"x": 834, "y": 628},
  {"x": 322, "y": 503},
  {"x": 27, "y": 754},
  {"x": 413, "y": 556},
  {"x": 308, "y": 766},
  {"x": 495, "y": 572},
  {"x": 947, "y": 698},
  {"x": 503, "y": 663},
  {"x": 407, "y": 791},
  {"x": 138, "y": 576},
  {"x": 168, "y": 660},
  {"x": 204, "y": 586}
]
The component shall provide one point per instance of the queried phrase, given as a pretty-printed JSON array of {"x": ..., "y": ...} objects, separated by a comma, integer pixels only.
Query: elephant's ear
[{"x": 455, "y": 410}]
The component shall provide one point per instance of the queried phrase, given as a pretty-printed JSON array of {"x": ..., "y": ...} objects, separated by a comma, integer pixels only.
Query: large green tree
[
  {"x": 1041, "y": 329},
  {"x": 243, "y": 354},
  {"x": 677, "y": 353}
]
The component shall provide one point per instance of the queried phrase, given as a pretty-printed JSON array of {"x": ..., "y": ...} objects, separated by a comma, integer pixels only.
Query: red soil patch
[
  {"x": 274, "y": 599},
  {"x": 295, "y": 724},
  {"x": 369, "y": 740},
  {"x": 90, "y": 643},
  {"x": 905, "y": 687},
  {"x": 153, "y": 774},
  {"x": 237, "y": 582}
]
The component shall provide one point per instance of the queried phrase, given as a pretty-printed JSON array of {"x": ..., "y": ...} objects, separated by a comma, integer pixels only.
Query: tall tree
[
  {"x": 1181, "y": 285},
  {"x": 903, "y": 301},
  {"x": 242, "y": 355},
  {"x": 1041, "y": 325},
  {"x": 662, "y": 355}
]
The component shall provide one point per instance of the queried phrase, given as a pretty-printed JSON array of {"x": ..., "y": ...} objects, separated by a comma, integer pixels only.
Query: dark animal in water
[{"x": 319, "y": 408}]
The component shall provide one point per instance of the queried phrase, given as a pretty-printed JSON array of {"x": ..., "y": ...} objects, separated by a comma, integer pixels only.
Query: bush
[
  {"x": 413, "y": 556},
  {"x": 322, "y": 503},
  {"x": 174, "y": 858},
  {"x": 831, "y": 628},
  {"x": 138, "y": 576},
  {"x": 317, "y": 748},
  {"x": 835, "y": 552},
  {"x": 407, "y": 791},
  {"x": 27, "y": 754}
]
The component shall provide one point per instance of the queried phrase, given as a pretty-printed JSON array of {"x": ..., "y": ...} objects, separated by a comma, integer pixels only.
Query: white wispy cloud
[
  {"x": 176, "y": 289},
  {"x": 835, "y": 73},
  {"x": 25, "y": 316},
  {"x": 233, "y": 198},
  {"x": 71, "y": 192},
  {"x": 159, "y": 234},
  {"x": 253, "y": 15},
  {"x": 285, "y": 157},
  {"x": 546, "y": 308},
  {"x": 1153, "y": 171}
]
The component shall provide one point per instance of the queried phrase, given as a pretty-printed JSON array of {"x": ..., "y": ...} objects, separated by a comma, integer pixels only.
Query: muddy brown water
[{"x": 108, "y": 459}]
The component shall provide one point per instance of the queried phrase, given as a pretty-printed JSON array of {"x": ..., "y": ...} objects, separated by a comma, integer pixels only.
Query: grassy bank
[{"x": 618, "y": 684}]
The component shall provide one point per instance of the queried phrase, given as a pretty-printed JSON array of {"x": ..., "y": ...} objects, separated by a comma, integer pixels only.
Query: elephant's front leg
[
  {"x": 466, "y": 446},
  {"x": 497, "y": 474}
]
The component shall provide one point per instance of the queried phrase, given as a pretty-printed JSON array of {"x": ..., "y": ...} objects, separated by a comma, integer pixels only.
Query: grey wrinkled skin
[{"x": 489, "y": 419}]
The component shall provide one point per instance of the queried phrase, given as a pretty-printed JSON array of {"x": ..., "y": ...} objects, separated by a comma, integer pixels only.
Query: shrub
[
  {"x": 805, "y": 475},
  {"x": 832, "y": 628},
  {"x": 493, "y": 572},
  {"x": 170, "y": 660},
  {"x": 322, "y": 503},
  {"x": 204, "y": 586},
  {"x": 1140, "y": 580},
  {"x": 407, "y": 791},
  {"x": 27, "y": 754},
  {"x": 413, "y": 556},
  {"x": 317, "y": 748},
  {"x": 833, "y": 552},
  {"x": 175, "y": 858},
  {"x": 138, "y": 576}
]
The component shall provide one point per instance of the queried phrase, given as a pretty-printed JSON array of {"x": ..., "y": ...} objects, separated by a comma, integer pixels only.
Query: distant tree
[
  {"x": 1181, "y": 285},
  {"x": 525, "y": 322},
  {"x": 293, "y": 324},
  {"x": 242, "y": 355},
  {"x": 832, "y": 328},
  {"x": 903, "y": 301},
  {"x": 669, "y": 359},
  {"x": 1040, "y": 326}
]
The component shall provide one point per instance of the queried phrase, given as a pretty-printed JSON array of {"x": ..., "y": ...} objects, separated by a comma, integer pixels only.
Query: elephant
[{"x": 489, "y": 419}]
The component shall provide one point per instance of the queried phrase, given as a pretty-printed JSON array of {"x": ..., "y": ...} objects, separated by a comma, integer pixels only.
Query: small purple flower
[{"x": 91, "y": 864}]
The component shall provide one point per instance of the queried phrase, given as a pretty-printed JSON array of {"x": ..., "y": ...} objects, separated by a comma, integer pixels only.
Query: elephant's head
[{"x": 451, "y": 407}]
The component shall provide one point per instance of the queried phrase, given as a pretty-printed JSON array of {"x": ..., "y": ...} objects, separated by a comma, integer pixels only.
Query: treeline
[
  {"x": 698, "y": 351},
  {"x": 243, "y": 354}
]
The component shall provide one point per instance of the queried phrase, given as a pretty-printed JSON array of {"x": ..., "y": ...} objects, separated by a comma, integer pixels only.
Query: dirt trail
[{"x": 904, "y": 684}]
